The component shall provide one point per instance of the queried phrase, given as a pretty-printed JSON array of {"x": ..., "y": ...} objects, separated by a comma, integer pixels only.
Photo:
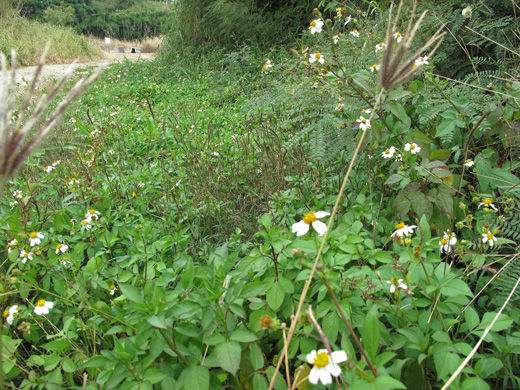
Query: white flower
[
  {"x": 488, "y": 237},
  {"x": 469, "y": 162},
  {"x": 94, "y": 133},
  {"x": 18, "y": 194},
  {"x": 215, "y": 153},
  {"x": 267, "y": 66},
  {"x": 56, "y": 163},
  {"x": 388, "y": 153},
  {"x": 402, "y": 229},
  {"x": 380, "y": 46},
  {"x": 92, "y": 215},
  {"x": 111, "y": 151},
  {"x": 348, "y": 19},
  {"x": 25, "y": 256},
  {"x": 399, "y": 157},
  {"x": 355, "y": 33},
  {"x": 13, "y": 204},
  {"x": 363, "y": 123},
  {"x": 61, "y": 248},
  {"x": 10, "y": 314},
  {"x": 398, "y": 36},
  {"x": 48, "y": 168},
  {"x": 421, "y": 61},
  {"x": 488, "y": 203},
  {"x": 316, "y": 57},
  {"x": 316, "y": 26},
  {"x": 302, "y": 227},
  {"x": 335, "y": 38},
  {"x": 35, "y": 238},
  {"x": 42, "y": 307},
  {"x": 315, "y": 85},
  {"x": 447, "y": 241},
  {"x": 466, "y": 12},
  {"x": 140, "y": 185},
  {"x": 367, "y": 111},
  {"x": 413, "y": 148},
  {"x": 325, "y": 366},
  {"x": 112, "y": 290},
  {"x": 375, "y": 67},
  {"x": 396, "y": 284},
  {"x": 73, "y": 181},
  {"x": 339, "y": 107},
  {"x": 10, "y": 245},
  {"x": 85, "y": 225}
]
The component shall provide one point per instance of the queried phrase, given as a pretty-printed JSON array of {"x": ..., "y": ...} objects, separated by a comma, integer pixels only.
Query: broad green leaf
[
  {"x": 266, "y": 221},
  {"x": 259, "y": 382},
  {"x": 196, "y": 378},
  {"x": 440, "y": 154},
  {"x": 228, "y": 355},
  {"x": 188, "y": 329},
  {"x": 131, "y": 293},
  {"x": 154, "y": 375},
  {"x": 275, "y": 296},
  {"x": 57, "y": 345},
  {"x": 475, "y": 383},
  {"x": 371, "y": 333},
  {"x": 445, "y": 128},
  {"x": 502, "y": 323},
  {"x": 454, "y": 288},
  {"x": 471, "y": 317},
  {"x": 156, "y": 322},
  {"x": 243, "y": 336},
  {"x": 214, "y": 339},
  {"x": 256, "y": 356}
]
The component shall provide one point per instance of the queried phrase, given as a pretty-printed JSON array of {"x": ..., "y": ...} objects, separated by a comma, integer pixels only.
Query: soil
[{"x": 49, "y": 72}]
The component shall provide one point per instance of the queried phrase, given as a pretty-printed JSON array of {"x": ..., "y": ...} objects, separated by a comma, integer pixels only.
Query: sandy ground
[{"x": 24, "y": 75}]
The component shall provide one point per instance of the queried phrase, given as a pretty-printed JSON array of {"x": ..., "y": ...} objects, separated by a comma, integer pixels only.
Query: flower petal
[
  {"x": 320, "y": 227},
  {"x": 334, "y": 369},
  {"x": 324, "y": 374},
  {"x": 321, "y": 214},
  {"x": 338, "y": 356},
  {"x": 310, "y": 357},
  {"x": 300, "y": 228},
  {"x": 314, "y": 375}
]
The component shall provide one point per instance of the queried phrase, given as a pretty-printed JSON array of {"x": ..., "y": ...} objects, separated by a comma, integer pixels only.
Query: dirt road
[{"x": 25, "y": 75}]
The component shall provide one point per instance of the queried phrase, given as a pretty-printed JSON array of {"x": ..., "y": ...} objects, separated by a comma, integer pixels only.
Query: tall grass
[{"x": 28, "y": 38}]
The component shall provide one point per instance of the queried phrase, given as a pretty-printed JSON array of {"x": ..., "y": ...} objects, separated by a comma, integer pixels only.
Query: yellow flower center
[
  {"x": 488, "y": 202},
  {"x": 387, "y": 151},
  {"x": 399, "y": 35},
  {"x": 112, "y": 287},
  {"x": 85, "y": 223},
  {"x": 443, "y": 241},
  {"x": 26, "y": 255},
  {"x": 412, "y": 147},
  {"x": 395, "y": 281},
  {"x": 6, "y": 314},
  {"x": 33, "y": 235},
  {"x": 92, "y": 212},
  {"x": 318, "y": 56},
  {"x": 40, "y": 303},
  {"x": 363, "y": 121},
  {"x": 490, "y": 236},
  {"x": 374, "y": 66},
  {"x": 321, "y": 359},
  {"x": 400, "y": 225},
  {"x": 309, "y": 218},
  {"x": 73, "y": 179},
  {"x": 468, "y": 160},
  {"x": 313, "y": 24},
  {"x": 59, "y": 246}
]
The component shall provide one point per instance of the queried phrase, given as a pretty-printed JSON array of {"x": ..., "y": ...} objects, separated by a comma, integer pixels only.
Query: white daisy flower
[
  {"x": 403, "y": 230},
  {"x": 339, "y": 107},
  {"x": 316, "y": 26},
  {"x": 380, "y": 46},
  {"x": 111, "y": 151},
  {"x": 325, "y": 366},
  {"x": 18, "y": 194},
  {"x": 316, "y": 57},
  {"x": 302, "y": 227},
  {"x": 397, "y": 284},
  {"x": 10, "y": 314},
  {"x": 11, "y": 243},
  {"x": 85, "y": 225},
  {"x": 335, "y": 38},
  {"x": 466, "y": 12},
  {"x": 56, "y": 163},
  {"x": 388, "y": 153},
  {"x": 348, "y": 19},
  {"x": 469, "y": 162},
  {"x": 315, "y": 85},
  {"x": 413, "y": 148},
  {"x": 61, "y": 248},
  {"x": 363, "y": 123},
  {"x": 488, "y": 203},
  {"x": 366, "y": 111},
  {"x": 113, "y": 290},
  {"x": 398, "y": 36},
  {"x": 35, "y": 238},
  {"x": 48, "y": 168},
  {"x": 92, "y": 215},
  {"x": 421, "y": 61},
  {"x": 24, "y": 256},
  {"x": 447, "y": 242},
  {"x": 489, "y": 237},
  {"x": 355, "y": 33},
  {"x": 42, "y": 307},
  {"x": 267, "y": 66},
  {"x": 73, "y": 181},
  {"x": 375, "y": 67},
  {"x": 215, "y": 153},
  {"x": 140, "y": 185}
]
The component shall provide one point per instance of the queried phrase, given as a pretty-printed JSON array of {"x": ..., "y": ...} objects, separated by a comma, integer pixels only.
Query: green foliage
[{"x": 61, "y": 16}]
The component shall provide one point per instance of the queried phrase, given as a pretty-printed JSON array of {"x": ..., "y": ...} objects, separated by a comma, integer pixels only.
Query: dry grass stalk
[
  {"x": 395, "y": 68},
  {"x": 15, "y": 143}
]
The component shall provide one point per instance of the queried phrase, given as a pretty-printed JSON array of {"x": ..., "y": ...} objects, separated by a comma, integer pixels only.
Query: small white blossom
[
  {"x": 111, "y": 151},
  {"x": 489, "y": 237},
  {"x": 24, "y": 256},
  {"x": 335, "y": 38},
  {"x": 380, "y": 46},
  {"x": 421, "y": 61},
  {"x": 447, "y": 242},
  {"x": 18, "y": 194},
  {"x": 375, "y": 67},
  {"x": 85, "y": 225},
  {"x": 140, "y": 185},
  {"x": 348, "y": 19},
  {"x": 398, "y": 36},
  {"x": 10, "y": 314},
  {"x": 302, "y": 227},
  {"x": 35, "y": 238},
  {"x": 42, "y": 307},
  {"x": 355, "y": 33},
  {"x": 412, "y": 148},
  {"x": 316, "y": 26},
  {"x": 339, "y": 107},
  {"x": 403, "y": 230},
  {"x": 466, "y": 12},
  {"x": 488, "y": 203},
  {"x": 48, "y": 168},
  {"x": 396, "y": 284},
  {"x": 325, "y": 366},
  {"x": 363, "y": 123},
  {"x": 113, "y": 289},
  {"x": 316, "y": 57},
  {"x": 388, "y": 153},
  {"x": 61, "y": 248},
  {"x": 469, "y": 162}
]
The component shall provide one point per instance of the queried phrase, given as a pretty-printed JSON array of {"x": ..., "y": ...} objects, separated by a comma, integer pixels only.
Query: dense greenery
[
  {"x": 122, "y": 19},
  {"x": 163, "y": 220}
]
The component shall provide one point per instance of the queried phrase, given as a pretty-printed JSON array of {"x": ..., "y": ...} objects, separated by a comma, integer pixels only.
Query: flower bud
[
  {"x": 469, "y": 217},
  {"x": 417, "y": 251},
  {"x": 295, "y": 252},
  {"x": 496, "y": 231},
  {"x": 319, "y": 266},
  {"x": 407, "y": 241},
  {"x": 471, "y": 188},
  {"x": 459, "y": 225},
  {"x": 16, "y": 272},
  {"x": 507, "y": 210},
  {"x": 510, "y": 201},
  {"x": 328, "y": 22},
  {"x": 475, "y": 199},
  {"x": 316, "y": 12},
  {"x": 343, "y": 11},
  {"x": 304, "y": 318},
  {"x": 462, "y": 205},
  {"x": 463, "y": 242}
]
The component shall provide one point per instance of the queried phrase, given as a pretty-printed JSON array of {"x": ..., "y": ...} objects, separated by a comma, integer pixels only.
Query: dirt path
[{"x": 24, "y": 75}]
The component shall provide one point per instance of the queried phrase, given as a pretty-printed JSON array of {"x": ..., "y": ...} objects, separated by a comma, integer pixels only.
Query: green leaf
[
  {"x": 423, "y": 207},
  {"x": 156, "y": 322},
  {"x": 266, "y": 221},
  {"x": 502, "y": 323},
  {"x": 440, "y": 154},
  {"x": 243, "y": 336},
  {"x": 455, "y": 288},
  {"x": 57, "y": 345},
  {"x": 389, "y": 383},
  {"x": 475, "y": 383},
  {"x": 228, "y": 356},
  {"x": 500, "y": 178},
  {"x": 154, "y": 375},
  {"x": 256, "y": 356},
  {"x": 484, "y": 174},
  {"x": 471, "y": 317},
  {"x": 68, "y": 365},
  {"x": 196, "y": 378},
  {"x": 96, "y": 361},
  {"x": 445, "y": 128},
  {"x": 259, "y": 382},
  {"x": 371, "y": 333},
  {"x": 275, "y": 296},
  {"x": 188, "y": 329},
  {"x": 214, "y": 339},
  {"x": 131, "y": 293},
  {"x": 59, "y": 222}
]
